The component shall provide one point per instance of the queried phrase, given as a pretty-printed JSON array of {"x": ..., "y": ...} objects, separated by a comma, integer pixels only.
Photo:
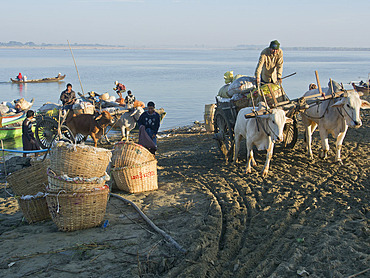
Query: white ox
[
  {"x": 332, "y": 116},
  {"x": 128, "y": 120},
  {"x": 262, "y": 131}
]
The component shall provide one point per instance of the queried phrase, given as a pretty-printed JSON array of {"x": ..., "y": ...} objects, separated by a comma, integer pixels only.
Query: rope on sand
[{"x": 151, "y": 224}]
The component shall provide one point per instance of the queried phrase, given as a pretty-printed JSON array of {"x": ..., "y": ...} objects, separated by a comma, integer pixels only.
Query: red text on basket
[{"x": 143, "y": 175}]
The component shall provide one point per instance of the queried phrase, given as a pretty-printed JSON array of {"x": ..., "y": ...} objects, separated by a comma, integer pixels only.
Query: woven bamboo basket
[
  {"x": 137, "y": 178},
  {"x": 30, "y": 180},
  {"x": 129, "y": 154},
  {"x": 79, "y": 160},
  {"x": 58, "y": 183},
  {"x": 34, "y": 209},
  {"x": 78, "y": 211},
  {"x": 35, "y": 162}
]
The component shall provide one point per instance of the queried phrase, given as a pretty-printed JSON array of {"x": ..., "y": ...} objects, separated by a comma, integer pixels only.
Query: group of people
[
  {"x": 129, "y": 100},
  {"x": 149, "y": 119},
  {"x": 269, "y": 70}
]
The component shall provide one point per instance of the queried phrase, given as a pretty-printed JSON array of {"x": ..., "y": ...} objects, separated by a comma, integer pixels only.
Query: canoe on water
[{"x": 43, "y": 80}]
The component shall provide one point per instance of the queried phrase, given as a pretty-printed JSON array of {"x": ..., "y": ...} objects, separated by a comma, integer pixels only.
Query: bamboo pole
[
  {"x": 2, "y": 148},
  {"x": 318, "y": 83},
  {"x": 76, "y": 68}
]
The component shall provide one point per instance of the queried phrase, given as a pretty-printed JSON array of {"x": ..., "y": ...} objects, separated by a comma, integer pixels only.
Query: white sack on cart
[{"x": 242, "y": 85}]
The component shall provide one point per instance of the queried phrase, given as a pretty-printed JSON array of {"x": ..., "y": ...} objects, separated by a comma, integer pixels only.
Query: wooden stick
[
  {"x": 318, "y": 83},
  {"x": 359, "y": 273},
  {"x": 76, "y": 68},
  {"x": 151, "y": 224}
]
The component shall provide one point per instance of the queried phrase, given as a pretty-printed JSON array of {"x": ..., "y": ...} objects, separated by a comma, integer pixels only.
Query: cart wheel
[
  {"x": 45, "y": 131},
  {"x": 290, "y": 133},
  {"x": 224, "y": 136},
  {"x": 68, "y": 135}
]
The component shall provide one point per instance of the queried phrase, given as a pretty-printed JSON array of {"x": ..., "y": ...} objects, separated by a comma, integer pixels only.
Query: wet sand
[{"x": 305, "y": 217}]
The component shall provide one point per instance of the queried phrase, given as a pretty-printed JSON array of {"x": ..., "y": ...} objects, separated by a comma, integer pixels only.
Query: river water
[{"x": 180, "y": 81}]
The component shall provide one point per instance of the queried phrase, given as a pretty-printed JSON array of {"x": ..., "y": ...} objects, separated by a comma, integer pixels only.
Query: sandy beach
[{"x": 307, "y": 218}]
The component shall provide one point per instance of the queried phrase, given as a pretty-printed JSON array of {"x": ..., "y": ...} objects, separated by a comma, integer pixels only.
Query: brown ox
[{"x": 86, "y": 124}]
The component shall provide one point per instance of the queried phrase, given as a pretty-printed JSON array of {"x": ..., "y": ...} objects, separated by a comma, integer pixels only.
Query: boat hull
[
  {"x": 361, "y": 89},
  {"x": 43, "y": 80},
  {"x": 7, "y": 133}
]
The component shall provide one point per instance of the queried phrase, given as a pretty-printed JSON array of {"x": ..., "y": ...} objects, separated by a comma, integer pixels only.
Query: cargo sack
[
  {"x": 3, "y": 109},
  {"x": 238, "y": 76},
  {"x": 245, "y": 100},
  {"x": 276, "y": 91},
  {"x": 223, "y": 91},
  {"x": 242, "y": 85},
  {"x": 49, "y": 106},
  {"x": 229, "y": 77}
]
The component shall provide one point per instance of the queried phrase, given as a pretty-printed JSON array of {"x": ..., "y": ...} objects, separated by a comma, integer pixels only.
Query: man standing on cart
[{"x": 270, "y": 64}]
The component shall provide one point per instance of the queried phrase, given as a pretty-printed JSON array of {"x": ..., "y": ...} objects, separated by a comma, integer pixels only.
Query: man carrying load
[
  {"x": 270, "y": 64},
  {"x": 120, "y": 88}
]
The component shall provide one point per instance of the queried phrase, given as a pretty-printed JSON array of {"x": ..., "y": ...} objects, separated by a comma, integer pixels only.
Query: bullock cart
[
  {"x": 274, "y": 95},
  {"x": 51, "y": 125}
]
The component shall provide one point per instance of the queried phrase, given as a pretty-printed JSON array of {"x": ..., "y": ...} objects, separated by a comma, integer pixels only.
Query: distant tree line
[{"x": 32, "y": 44}]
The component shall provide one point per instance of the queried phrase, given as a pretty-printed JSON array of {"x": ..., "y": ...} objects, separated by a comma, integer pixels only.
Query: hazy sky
[{"x": 211, "y": 23}]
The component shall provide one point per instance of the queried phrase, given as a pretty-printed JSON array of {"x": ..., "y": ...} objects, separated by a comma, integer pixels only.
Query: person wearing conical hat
[{"x": 270, "y": 64}]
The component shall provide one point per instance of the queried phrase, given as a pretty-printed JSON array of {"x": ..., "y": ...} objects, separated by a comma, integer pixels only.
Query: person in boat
[
  {"x": 28, "y": 137},
  {"x": 270, "y": 64},
  {"x": 363, "y": 84},
  {"x": 59, "y": 75},
  {"x": 312, "y": 86},
  {"x": 19, "y": 77},
  {"x": 68, "y": 97},
  {"x": 18, "y": 108},
  {"x": 130, "y": 99},
  {"x": 24, "y": 78},
  {"x": 151, "y": 120}
]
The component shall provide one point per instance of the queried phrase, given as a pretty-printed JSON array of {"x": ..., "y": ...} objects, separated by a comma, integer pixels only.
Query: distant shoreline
[{"x": 92, "y": 47}]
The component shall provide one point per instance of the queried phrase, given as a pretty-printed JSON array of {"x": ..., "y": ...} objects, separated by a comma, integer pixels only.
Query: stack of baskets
[
  {"x": 77, "y": 195},
  {"x": 134, "y": 168},
  {"x": 29, "y": 187}
]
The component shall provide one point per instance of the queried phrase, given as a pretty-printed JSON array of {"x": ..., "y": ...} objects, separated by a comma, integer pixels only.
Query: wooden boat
[
  {"x": 9, "y": 119},
  {"x": 12, "y": 118},
  {"x": 43, "y": 80},
  {"x": 12, "y": 131},
  {"x": 361, "y": 89}
]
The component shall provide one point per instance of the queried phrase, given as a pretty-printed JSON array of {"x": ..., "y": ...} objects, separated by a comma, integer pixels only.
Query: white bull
[
  {"x": 128, "y": 120},
  {"x": 262, "y": 131},
  {"x": 332, "y": 116}
]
